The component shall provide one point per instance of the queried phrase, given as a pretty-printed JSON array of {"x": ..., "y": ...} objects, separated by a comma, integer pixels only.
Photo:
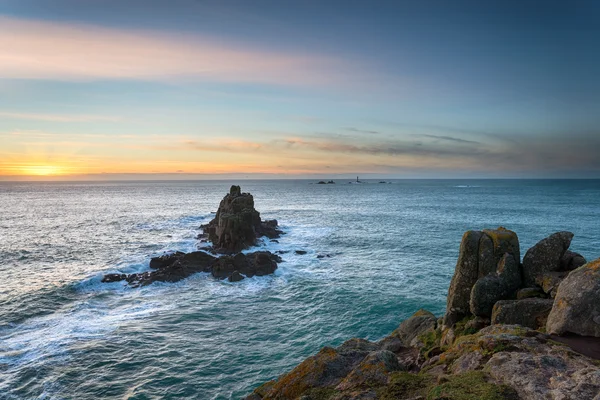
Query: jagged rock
[
  {"x": 419, "y": 323},
  {"x": 494, "y": 244},
  {"x": 577, "y": 304},
  {"x": 545, "y": 256},
  {"x": 498, "y": 285},
  {"x": 465, "y": 276},
  {"x": 109, "y": 278},
  {"x": 480, "y": 253},
  {"x": 532, "y": 312},
  {"x": 237, "y": 224},
  {"x": 571, "y": 260},
  {"x": 526, "y": 293}
]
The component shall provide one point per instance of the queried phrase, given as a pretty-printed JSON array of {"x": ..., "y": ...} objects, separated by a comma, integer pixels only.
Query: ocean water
[{"x": 392, "y": 247}]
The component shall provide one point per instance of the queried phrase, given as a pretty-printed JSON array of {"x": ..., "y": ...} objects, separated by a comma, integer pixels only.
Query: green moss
[
  {"x": 320, "y": 393},
  {"x": 430, "y": 339},
  {"x": 460, "y": 328},
  {"x": 405, "y": 385},
  {"x": 472, "y": 385}
]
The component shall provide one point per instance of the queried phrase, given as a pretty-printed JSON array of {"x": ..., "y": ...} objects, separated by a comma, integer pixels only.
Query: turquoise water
[{"x": 393, "y": 247}]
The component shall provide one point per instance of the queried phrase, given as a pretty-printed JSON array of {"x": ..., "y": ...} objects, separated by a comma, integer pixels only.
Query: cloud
[
  {"x": 451, "y": 139},
  {"x": 31, "y": 49},
  {"x": 58, "y": 117},
  {"x": 352, "y": 129}
]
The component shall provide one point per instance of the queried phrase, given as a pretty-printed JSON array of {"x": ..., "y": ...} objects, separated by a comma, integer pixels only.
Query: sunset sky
[{"x": 203, "y": 89}]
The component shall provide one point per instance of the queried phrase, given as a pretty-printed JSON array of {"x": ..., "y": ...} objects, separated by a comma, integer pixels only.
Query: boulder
[
  {"x": 465, "y": 276},
  {"x": 532, "y": 312},
  {"x": 237, "y": 224},
  {"x": 479, "y": 256},
  {"x": 526, "y": 293},
  {"x": 545, "y": 256},
  {"x": 577, "y": 304},
  {"x": 549, "y": 281},
  {"x": 571, "y": 260},
  {"x": 419, "y": 323},
  {"x": 498, "y": 285}
]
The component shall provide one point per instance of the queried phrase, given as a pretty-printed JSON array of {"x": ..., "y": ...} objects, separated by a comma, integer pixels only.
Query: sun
[{"x": 42, "y": 170}]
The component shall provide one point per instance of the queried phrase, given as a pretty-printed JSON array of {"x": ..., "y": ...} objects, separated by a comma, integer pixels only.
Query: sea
[{"x": 387, "y": 250}]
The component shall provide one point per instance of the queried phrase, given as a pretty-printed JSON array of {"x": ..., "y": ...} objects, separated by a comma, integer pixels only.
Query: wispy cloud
[
  {"x": 451, "y": 139},
  {"x": 31, "y": 49},
  {"x": 356, "y": 130},
  {"x": 58, "y": 117}
]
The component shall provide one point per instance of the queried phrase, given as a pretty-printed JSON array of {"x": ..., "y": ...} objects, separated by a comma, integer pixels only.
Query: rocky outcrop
[
  {"x": 498, "y": 285},
  {"x": 412, "y": 328},
  {"x": 577, "y": 304},
  {"x": 237, "y": 224},
  {"x": 235, "y": 227},
  {"x": 545, "y": 256},
  {"x": 480, "y": 255},
  {"x": 466, "y": 356},
  {"x": 532, "y": 312},
  {"x": 177, "y": 266}
]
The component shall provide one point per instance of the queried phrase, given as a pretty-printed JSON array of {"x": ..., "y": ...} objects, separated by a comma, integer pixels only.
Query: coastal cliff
[{"x": 512, "y": 330}]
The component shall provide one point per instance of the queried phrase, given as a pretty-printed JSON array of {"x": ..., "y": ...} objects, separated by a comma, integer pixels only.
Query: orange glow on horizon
[{"x": 42, "y": 170}]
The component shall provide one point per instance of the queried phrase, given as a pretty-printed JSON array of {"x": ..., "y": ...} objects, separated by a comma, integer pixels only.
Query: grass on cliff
[{"x": 472, "y": 385}]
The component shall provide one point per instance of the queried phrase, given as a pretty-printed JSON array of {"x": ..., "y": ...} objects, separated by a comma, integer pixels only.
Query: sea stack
[{"x": 237, "y": 224}]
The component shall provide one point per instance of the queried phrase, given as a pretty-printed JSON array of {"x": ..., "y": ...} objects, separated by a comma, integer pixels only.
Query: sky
[{"x": 180, "y": 89}]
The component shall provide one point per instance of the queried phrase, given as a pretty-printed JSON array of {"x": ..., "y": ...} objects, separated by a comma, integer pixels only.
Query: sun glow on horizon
[{"x": 42, "y": 170}]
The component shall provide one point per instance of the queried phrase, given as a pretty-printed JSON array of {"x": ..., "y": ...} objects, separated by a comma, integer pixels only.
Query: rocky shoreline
[
  {"x": 237, "y": 226},
  {"x": 512, "y": 329}
]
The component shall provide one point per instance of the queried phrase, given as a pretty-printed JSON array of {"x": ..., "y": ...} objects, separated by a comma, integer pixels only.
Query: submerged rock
[
  {"x": 237, "y": 224},
  {"x": 577, "y": 304}
]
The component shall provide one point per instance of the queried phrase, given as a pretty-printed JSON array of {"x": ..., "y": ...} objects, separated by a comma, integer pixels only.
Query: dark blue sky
[{"x": 423, "y": 89}]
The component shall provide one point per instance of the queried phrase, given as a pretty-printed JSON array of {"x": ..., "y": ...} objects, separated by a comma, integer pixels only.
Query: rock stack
[
  {"x": 494, "y": 342},
  {"x": 235, "y": 227},
  {"x": 237, "y": 224}
]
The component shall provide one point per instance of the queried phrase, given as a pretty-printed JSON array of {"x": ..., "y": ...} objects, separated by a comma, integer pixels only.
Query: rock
[
  {"x": 499, "y": 285},
  {"x": 109, "y": 278},
  {"x": 476, "y": 324},
  {"x": 537, "y": 369},
  {"x": 577, "y": 304},
  {"x": 419, "y": 323},
  {"x": 178, "y": 266},
  {"x": 323, "y": 255},
  {"x": 237, "y": 224},
  {"x": 479, "y": 256},
  {"x": 494, "y": 244},
  {"x": 165, "y": 260},
  {"x": 532, "y": 312},
  {"x": 321, "y": 183},
  {"x": 549, "y": 281},
  {"x": 526, "y": 293},
  {"x": 465, "y": 276},
  {"x": 326, "y": 369},
  {"x": 252, "y": 264},
  {"x": 235, "y": 277},
  {"x": 571, "y": 260},
  {"x": 372, "y": 370},
  {"x": 545, "y": 256},
  {"x": 300, "y": 252}
]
